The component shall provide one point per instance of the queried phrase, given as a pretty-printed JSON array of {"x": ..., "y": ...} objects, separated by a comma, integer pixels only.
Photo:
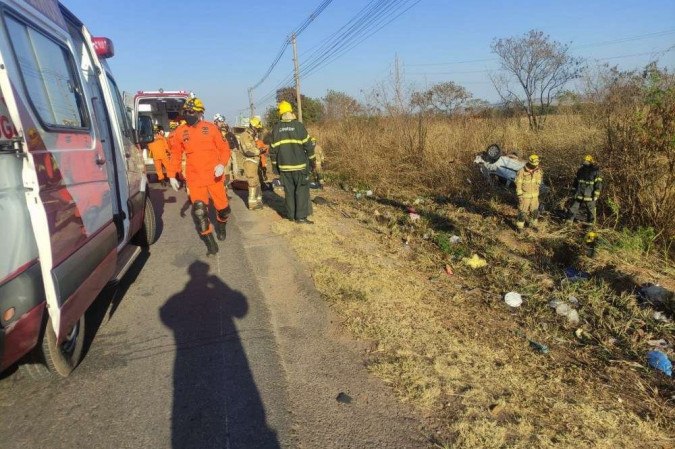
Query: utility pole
[
  {"x": 250, "y": 101},
  {"x": 297, "y": 77}
]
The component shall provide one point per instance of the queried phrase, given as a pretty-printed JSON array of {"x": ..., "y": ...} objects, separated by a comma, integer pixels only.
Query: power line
[
  {"x": 593, "y": 44},
  {"x": 374, "y": 16},
  {"x": 319, "y": 9}
]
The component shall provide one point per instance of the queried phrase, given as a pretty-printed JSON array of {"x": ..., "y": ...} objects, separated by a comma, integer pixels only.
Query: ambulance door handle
[{"x": 100, "y": 160}]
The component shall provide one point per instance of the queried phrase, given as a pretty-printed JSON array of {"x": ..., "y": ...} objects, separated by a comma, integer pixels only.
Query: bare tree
[
  {"x": 443, "y": 98},
  {"x": 391, "y": 96},
  {"x": 534, "y": 70}
]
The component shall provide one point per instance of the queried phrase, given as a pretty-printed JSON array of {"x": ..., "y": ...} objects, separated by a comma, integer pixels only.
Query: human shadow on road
[{"x": 216, "y": 403}]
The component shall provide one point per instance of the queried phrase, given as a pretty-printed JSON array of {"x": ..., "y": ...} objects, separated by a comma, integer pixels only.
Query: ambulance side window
[
  {"x": 48, "y": 75},
  {"x": 120, "y": 109}
]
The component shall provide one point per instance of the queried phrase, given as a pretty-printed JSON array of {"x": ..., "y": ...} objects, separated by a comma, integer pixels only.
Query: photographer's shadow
[{"x": 216, "y": 403}]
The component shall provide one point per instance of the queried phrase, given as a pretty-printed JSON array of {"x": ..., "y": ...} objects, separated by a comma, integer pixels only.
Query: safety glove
[
  {"x": 219, "y": 170},
  {"x": 174, "y": 184}
]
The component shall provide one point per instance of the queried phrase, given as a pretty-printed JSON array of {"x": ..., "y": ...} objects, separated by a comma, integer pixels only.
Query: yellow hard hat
[
  {"x": 193, "y": 104},
  {"x": 255, "y": 122},
  {"x": 533, "y": 160},
  {"x": 284, "y": 107},
  {"x": 588, "y": 159}
]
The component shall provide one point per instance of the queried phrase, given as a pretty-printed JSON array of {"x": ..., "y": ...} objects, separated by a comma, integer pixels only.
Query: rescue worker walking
[
  {"x": 293, "y": 158},
  {"x": 252, "y": 147},
  {"x": 587, "y": 186},
  {"x": 233, "y": 166},
  {"x": 319, "y": 157},
  {"x": 528, "y": 183},
  {"x": 207, "y": 154},
  {"x": 159, "y": 149}
]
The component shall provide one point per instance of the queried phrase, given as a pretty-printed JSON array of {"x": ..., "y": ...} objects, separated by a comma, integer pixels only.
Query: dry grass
[{"x": 450, "y": 346}]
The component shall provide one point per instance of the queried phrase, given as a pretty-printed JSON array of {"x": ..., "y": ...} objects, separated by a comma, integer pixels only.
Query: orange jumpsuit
[
  {"x": 160, "y": 154},
  {"x": 204, "y": 148}
]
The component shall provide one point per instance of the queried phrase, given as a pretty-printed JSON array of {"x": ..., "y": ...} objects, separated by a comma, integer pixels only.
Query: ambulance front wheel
[{"x": 50, "y": 359}]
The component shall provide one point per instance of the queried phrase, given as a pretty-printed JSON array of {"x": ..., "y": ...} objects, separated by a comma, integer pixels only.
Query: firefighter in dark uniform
[
  {"x": 293, "y": 158},
  {"x": 587, "y": 186}
]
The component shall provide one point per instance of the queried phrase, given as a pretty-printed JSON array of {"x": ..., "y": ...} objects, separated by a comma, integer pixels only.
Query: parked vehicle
[
  {"x": 161, "y": 107},
  {"x": 73, "y": 190}
]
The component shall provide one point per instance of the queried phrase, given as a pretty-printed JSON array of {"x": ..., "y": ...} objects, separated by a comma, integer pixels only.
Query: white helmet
[{"x": 218, "y": 118}]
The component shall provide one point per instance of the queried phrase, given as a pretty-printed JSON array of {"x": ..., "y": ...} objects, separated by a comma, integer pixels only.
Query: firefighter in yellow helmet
[
  {"x": 293, "y": 158},
  {"x": 319, "y": 157},
  {"x": 586, "y": 190},
  {"x": 207, "y": 155},
  {"x": 252, "y": 147},
  {"x": 528, "y": 182}
]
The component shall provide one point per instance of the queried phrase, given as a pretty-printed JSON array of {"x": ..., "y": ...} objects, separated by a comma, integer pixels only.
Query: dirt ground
[{"x": 440, "y": 335}]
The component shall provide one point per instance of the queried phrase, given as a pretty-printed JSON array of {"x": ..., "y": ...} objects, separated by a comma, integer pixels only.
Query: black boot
[
  {"x": 221, "y": 230},
  {"x": 211, "y": 245}
]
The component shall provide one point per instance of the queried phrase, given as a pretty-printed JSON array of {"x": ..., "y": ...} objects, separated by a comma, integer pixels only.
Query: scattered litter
[
  {"x": 448, "y": 270},
  {"x": 411, "y": 210},
  {"x": 563, "y": 309},
  {"x": 315, "y": 185},
  {"x": 573, "y": 300},
  {"x": 513, "y": 299},
  {"x": 414, "y": 217},
  {"x": 659, "y": 360},
  {"x": 575, "y": 275},
  {"x": 582, "y": 334},
  {"x": 554, "y": 303},
  {"x": 343, "y": 398},
  {"x": 539, "y": 347},
  {"x": 455, "y": 239},
  {"x": 661, "y": 343},
  {"x": 475, "y": 261},
  {"x": 417, "y": 201},
  {"x": 358, "y": 195},
  {"x": 369, "y": 193},
  {"x": 653, "y": 294},
  {"x": 660, "y": 316},
  {"x": 573, "y": 317}
]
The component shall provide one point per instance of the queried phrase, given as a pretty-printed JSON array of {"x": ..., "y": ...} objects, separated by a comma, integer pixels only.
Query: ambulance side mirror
[{"x": 144, "y": 130}]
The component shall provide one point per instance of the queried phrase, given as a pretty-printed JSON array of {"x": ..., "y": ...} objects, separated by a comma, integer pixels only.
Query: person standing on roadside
[
  {"x": 159, "y": 149},
  {"x": 252, "y": 147},
  {"x": 528, "y": 183},
  {"x": 207, "y": 154},
  {"x": 233, "y": 167},
  {"x": 293, "y": 158},
  {"x": 587, "y": 186}
]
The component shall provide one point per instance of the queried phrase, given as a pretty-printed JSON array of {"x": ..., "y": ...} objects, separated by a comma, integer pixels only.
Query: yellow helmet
[
  {"x": 193, "y": 104},
  {"x": 533, "y": 160},
  {"x": 588, "y": 159},
  {"x": 255, "y": 122},
  {"x": 173, "y": 124},
  {"x": 284, "y": 107}
]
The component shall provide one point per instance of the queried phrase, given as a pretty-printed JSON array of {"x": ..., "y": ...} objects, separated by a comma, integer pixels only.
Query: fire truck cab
[{"x": 73, "y": 189}]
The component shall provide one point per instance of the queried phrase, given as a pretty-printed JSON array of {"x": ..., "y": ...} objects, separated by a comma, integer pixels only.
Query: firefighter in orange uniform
[
  {"x": 207, "y": 155},
  {"x": 159, "y": 148}
]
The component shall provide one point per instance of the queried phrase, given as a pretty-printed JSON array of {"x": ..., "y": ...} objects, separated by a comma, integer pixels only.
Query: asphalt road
[{"x": 232, "y": 351}]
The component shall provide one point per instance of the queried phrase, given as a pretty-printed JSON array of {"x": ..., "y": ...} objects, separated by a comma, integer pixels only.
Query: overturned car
[{"x": 500, "y": 169}]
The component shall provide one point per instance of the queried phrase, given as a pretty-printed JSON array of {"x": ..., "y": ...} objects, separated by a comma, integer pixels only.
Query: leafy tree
[
  {"x": 534, "y": 70},
  {"x": 312, "y": 108},
  {"x": 443, "y": 98},
  {"x": 339, "y": 105}
]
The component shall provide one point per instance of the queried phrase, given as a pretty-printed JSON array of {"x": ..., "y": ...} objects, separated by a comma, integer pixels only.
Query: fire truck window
[{"x": 47, "y": 71}]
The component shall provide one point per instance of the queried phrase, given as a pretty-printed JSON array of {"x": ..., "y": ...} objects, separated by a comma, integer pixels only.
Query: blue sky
[{"x": 220, "y": 48}]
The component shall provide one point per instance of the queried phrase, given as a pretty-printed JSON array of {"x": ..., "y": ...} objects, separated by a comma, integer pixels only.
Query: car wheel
[
  {"x": 148, "y": 233},
  {"x": 50, "y": 359}
]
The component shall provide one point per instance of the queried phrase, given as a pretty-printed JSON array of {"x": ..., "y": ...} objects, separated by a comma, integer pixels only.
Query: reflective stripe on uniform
[
  {"x": 286, "y": 141},
  {"x": 292, "y": 167}
]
